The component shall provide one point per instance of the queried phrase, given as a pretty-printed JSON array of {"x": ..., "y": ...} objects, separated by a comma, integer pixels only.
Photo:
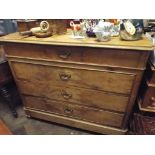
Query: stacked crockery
[{"x": 103, "y": 31}]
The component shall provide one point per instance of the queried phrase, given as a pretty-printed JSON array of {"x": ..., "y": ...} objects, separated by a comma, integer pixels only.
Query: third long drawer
[{"x": 88, "y": 97}]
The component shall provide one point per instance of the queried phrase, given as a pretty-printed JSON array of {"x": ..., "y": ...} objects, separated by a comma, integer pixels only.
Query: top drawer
[{"x": 100, "y": 56}]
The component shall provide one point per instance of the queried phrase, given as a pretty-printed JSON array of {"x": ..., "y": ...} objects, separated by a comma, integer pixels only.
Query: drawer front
[
  {"x": 87, "y": 97},
  {"x": 150, "y": 74},
  {"x": 149, "y": 98},
  {"x": 59, "y": 53},
  {"x": 92, "y": 79},
  {"x": 147, "y": 95},
  {"x": 75, "y": 111},
  {"x": 100, "y": 56}
]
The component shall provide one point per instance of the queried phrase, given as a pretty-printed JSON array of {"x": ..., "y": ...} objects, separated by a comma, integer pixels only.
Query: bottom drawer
[{"x": 75, "y": 111}]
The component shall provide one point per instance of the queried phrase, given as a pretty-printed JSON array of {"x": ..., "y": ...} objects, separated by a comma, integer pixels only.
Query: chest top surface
[{"x": 65, "y": 40}]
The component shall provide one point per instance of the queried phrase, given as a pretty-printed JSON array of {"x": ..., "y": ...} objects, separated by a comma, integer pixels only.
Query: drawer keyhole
[
  {"x": 64, "y": 76},
  {"x": 66, "y": 95},
  {"x": 64, "y": 54},
  {"x": 68, "y": 111}
]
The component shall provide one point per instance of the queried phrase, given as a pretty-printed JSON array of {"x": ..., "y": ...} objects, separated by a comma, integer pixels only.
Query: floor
[{"x": 28, "y": 126}]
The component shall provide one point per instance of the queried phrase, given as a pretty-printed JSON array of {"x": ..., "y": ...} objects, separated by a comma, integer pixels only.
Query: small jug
[{"x": 78, "y": 29}]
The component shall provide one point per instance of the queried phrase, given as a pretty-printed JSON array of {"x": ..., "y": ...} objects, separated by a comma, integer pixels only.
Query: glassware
[
  {"x": 115, "y": 30},
  {"x": 90, "y": 24}
]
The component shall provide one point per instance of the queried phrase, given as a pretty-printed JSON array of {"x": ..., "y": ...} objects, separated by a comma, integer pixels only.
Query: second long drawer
[{"x": 84, "y": 78}]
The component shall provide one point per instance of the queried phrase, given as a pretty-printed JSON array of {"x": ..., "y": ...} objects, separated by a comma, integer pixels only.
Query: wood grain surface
[
  {"x": 75, "y": 111},
  {"x": 49, "y": 76},
  {"x": 82, "y": 83},
  {"x": 67, "y": 54},
  {"x": 115, "y": 42}
]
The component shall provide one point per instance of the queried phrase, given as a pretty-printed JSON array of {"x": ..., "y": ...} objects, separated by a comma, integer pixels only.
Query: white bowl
[{"x": 103, "y": 36}]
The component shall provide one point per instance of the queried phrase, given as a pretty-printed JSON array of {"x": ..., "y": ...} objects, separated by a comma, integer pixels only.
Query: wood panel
[
  {"x": 97, "y": 80},
  {"x": 65, "y": 40},
  {"x": 149, "y": 96},
  {"x": 74, "y": 122},
  {"x": 112, "y": 57},
  {"x": 150, "y": 73},
  {"x": 75, "y": 111},
  {"x": 45, "y": 52},
  {"x": 146, "y": 98},
  {"x": 82, "y": 83},
  {"x": 88, "y": 97},
  {"x": 149, "y": 109}
]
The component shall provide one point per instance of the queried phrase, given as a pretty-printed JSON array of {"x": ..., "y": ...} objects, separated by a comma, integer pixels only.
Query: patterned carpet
[{"x": 25, "y": 126}]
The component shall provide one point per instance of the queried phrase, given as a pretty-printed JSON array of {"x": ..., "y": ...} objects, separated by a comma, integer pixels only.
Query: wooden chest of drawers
[
  {"x": 84, "y": 84},
  {"x": 146, "y": 99}
]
